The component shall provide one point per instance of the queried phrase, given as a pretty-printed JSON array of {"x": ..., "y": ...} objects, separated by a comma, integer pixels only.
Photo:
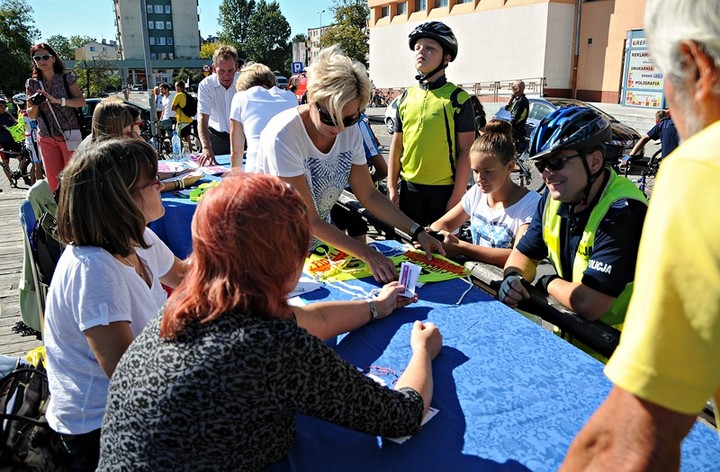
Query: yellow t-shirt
[
  {"x": 179, "y": 101},
  {"x": 669, "y": 351}
]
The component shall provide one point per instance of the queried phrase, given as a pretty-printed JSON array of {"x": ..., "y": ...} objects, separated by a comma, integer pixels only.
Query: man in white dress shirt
[{"x": 215, "y": 94}]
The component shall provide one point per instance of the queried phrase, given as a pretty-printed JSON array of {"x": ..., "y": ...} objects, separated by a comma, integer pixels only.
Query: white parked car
[{"x": 390, "y": 114}]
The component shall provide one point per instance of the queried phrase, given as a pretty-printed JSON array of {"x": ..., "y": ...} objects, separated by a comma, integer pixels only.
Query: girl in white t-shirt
[
  {"x": 498, "y": 209},
  {"x": 106, "y": 285}
]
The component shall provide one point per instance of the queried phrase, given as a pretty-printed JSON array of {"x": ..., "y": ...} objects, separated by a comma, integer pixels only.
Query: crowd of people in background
[{"x": 654, "y": 278}]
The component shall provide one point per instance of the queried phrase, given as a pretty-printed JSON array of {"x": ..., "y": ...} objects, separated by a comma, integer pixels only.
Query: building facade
[
  {"x": 102, "y": 51},
  {"x": 299, "y": 52},
  {"x": 173, "y": 37},
  {"x": 172, "y": 27},
  {"x": 313, "y": 42},
  {"x": 567, "y": 48}
]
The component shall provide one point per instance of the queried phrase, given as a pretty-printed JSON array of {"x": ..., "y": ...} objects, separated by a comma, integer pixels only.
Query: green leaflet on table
[{"x": 197, "y": 194}]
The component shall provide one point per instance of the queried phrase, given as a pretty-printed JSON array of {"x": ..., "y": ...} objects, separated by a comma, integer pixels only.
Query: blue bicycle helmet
[
  {"x": 579, "y": 128},
  {"x": 438, "y": 31}
]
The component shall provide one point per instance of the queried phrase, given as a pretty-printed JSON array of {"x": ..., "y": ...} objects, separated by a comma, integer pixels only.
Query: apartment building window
[
  {"x": 420, "y": 5},
  {"x": 441, "y": 3},
  {"x": 401, "y": 8},
  {"x": 161, "y": 41},
  {"x": 153, "y": 56},
  {"x": 169, "y": 41},
  {"x": 151, "y": 25},
  {"x": 168, "y": 25},
  {"x": 167, "y": 9},
  {"x": 458, "y": 2},
  {"x": 159, "y": 25},
  {"x": 152, "y": 40},
  {"x": 385, "y": 11},
  {"x": 171, "y": 55},
  {"x": 92, "y": 48},
  {"x": 158, "y": 9},
  {"x": 149, "y": 8}
]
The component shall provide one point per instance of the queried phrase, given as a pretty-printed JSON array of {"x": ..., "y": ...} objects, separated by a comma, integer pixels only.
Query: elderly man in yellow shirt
[{"x": 667, "y": 365}]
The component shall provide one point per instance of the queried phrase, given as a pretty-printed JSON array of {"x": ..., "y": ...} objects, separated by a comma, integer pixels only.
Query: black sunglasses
[
  {"x": 554, "y": 163},
  {"x": 153, "y": 182},
  {"x": 44, "y": 57},
  {"x": 326, "y": 119}
]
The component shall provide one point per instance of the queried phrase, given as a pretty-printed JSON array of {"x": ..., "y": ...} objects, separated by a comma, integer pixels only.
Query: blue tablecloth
[
  {"x": 174, "y": 227},
  {"x": 511, "y": 395}
]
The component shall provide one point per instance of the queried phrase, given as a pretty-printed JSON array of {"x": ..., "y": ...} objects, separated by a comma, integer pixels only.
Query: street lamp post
[{"x": 321, "y": 12}]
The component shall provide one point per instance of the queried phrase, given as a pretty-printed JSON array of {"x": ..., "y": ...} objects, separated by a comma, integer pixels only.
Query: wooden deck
[{"x": 11, "y": 250}]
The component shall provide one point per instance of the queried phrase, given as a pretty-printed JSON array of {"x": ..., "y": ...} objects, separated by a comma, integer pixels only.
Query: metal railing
[{"x": 534, "y": 86}]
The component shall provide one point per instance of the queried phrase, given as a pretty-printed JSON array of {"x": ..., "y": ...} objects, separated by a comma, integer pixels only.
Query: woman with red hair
[{"x": 216, "y": 380}]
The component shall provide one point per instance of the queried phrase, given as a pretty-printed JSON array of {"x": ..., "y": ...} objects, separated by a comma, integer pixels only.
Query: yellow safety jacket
[
  {"x": 617, "y": 189},
  {"x": 430, "y": 147}
]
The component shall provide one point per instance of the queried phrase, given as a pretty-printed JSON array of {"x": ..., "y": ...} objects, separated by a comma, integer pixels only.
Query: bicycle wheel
[
  {"x": 655, "y": 159},
  {"x": 24, "y": 169}
]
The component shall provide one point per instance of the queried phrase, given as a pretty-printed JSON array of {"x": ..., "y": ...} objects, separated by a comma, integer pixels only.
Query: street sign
[{"x": 296, "y": 67}]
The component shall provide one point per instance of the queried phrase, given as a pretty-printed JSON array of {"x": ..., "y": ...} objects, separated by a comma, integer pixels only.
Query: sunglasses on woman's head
[
  {"x": 554, "y": 163},
  {"x": 326, "y": 119},
  {"x": 44, "y": 57}
]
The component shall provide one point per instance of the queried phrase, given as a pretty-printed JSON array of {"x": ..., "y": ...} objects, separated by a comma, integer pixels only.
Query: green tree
[
  {"x": 61, "y": 45},
  {"x": 207, "y": 50},
  {"x": 96, "y": 76},
  {"x": 349, "y": 30},
  {"x": 234, "y": 19},
  {"x": 269, "y": 34},
  {"x": 17, "y": 33},
  {"x": 299, "y": 38},
  {"x": 65, "y": 47}
]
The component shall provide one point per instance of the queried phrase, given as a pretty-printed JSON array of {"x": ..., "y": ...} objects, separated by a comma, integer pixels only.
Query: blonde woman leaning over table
[
  {"x": 499, "y": 210},
  {"x": 317, "y": 149},
  {"x": 215, "y": 381},
  {"x": 107, "y": 283}
]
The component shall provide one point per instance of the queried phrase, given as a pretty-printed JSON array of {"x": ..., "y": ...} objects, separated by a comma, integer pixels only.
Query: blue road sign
[{"x": 296, "y": 67}]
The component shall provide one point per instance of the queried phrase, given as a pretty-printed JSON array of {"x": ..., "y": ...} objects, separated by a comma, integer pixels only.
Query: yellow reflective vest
[{"x": 617, "y": 188}]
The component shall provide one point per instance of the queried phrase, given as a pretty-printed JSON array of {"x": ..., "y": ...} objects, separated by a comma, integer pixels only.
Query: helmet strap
[
  {"x": 592, "y": 178},
  {"x": 423, "y": 79}
]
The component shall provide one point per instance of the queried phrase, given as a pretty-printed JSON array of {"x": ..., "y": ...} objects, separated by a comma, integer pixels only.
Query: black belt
[{"x": 219, "y": 134}]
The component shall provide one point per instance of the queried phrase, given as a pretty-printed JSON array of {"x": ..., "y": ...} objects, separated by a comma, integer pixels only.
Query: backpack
[
  {"x": 47, "y": 247},
  {"x": 26, "y": 440},
  {"x": 190, "y": 108}
]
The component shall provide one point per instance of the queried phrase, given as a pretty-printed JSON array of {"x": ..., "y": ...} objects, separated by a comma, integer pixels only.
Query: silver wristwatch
[{"x": 373, "y": 310}]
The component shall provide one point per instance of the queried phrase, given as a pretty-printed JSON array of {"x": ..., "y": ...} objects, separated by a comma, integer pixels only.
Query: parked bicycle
[
  {"x": 526, "y": 172},
  {"x": 647, "y": 176},
  {"x": 18, "y": 165},
  {"x": 162, "y": 143}
]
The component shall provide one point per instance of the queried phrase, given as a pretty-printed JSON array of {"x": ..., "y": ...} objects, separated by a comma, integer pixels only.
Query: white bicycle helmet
[{"x": 19, "y": 99}]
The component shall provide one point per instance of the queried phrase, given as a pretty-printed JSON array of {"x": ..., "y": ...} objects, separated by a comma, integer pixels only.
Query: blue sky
[{"x": 95, "y": 17}]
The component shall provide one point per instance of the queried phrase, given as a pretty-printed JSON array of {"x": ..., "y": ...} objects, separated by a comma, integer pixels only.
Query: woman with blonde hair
[
  {"x": 111, "y": 119},
  {"x": 317, "y": 150},
  {"x": 258, "y": 100},
  {"x": 499, "y": 210},
  {"x": 215, "y": 381}
]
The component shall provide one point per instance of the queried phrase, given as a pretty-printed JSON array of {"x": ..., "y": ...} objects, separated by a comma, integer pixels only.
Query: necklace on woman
[{"x": 141, "y": 271}]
